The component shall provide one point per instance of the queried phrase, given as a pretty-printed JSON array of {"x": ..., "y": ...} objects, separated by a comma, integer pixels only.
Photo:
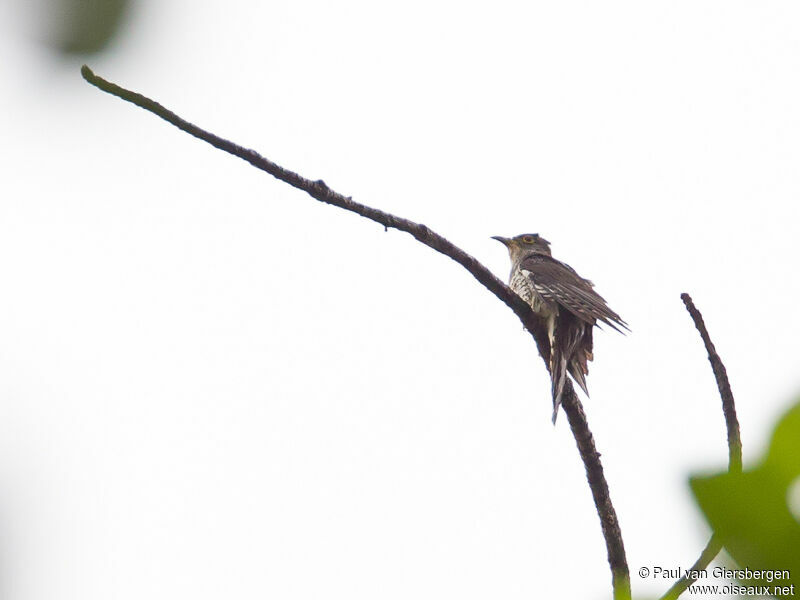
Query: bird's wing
[{"x": 557, "y": 282}]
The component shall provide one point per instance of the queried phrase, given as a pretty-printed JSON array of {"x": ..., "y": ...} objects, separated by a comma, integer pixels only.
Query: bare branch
[
  {"x": 620, "y": 577},
  {"x": 724, "y": 386},
  {"x": 320, "y": 191},
  {"x": 734, "y": 442}
]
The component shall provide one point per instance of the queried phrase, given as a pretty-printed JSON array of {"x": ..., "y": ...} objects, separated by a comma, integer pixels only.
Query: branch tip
[{"x": 87, "y": 73}]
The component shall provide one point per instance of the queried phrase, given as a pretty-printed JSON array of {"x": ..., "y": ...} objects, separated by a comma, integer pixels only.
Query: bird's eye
[{"x": 528, "y": 239}]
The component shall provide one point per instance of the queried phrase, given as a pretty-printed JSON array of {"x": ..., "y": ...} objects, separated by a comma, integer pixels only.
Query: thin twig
[
  {"x": 734, "y": 442},
  {"x": 724, "y": 386},
  {"x": 708, "y": 554},
  {"x": 320, "y": 191}
]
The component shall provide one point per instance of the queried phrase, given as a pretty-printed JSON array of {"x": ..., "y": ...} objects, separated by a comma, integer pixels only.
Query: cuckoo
[{"x": 566, "y": 303}]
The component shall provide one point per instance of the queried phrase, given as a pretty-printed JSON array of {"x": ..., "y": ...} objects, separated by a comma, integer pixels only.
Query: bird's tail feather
[
  {"x": 570, "y": 351},
  {"x": 558, "y": 376},
  {"x": 578, "y": 376},
  {"x": 579, "y": 369}
]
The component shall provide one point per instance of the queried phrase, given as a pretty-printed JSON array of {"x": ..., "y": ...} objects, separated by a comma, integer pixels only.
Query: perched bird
[{"x": 565, "y": 302}]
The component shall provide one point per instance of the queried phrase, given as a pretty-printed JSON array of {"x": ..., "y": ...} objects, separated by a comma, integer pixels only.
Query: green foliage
[
  {"x": 87, "y": 26},
  {"x": 750, "y": 510}
]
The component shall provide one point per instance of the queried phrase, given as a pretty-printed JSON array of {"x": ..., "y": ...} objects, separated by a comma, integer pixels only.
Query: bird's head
[{"x": 524, "y": 245}]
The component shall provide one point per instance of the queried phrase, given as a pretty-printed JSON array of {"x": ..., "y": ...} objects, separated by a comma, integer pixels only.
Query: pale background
[{"x": 212, "y": 386}]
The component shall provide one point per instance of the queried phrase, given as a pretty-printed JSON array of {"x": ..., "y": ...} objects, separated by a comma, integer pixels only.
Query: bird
[{"x": 566, "y": 304}]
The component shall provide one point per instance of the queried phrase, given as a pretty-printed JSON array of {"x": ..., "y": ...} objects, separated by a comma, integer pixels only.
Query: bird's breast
[{"x": 523, "y": 286}]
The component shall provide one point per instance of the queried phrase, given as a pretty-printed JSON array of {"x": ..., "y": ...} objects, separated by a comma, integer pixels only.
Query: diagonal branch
[
  {"x": 320, "y": 191},
  {"x": 620, "y": 578},
  {"x": 734, "y": 442}
]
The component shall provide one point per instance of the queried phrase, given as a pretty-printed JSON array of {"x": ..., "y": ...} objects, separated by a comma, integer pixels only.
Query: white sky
[{"x": 212, "y": 386}]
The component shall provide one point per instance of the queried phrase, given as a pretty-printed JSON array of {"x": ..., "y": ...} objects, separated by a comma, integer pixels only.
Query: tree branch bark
[
  {"x": 320, "y": 191},
  {"x": 714, "y": 544},
  {"x": 620, "y": 578},
  {"x": 724, "y": 386}
]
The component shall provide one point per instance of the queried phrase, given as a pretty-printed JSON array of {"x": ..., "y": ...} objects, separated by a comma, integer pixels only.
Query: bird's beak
[{"x": 501, "y": 239}]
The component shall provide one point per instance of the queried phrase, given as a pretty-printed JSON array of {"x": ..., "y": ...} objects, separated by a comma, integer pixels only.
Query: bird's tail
[
  {"x": 558, "y": 376},
  {"x": 570, "y": 350},
  {"x": 579, "y": 369},
  {"x": 578, "y": 376}
]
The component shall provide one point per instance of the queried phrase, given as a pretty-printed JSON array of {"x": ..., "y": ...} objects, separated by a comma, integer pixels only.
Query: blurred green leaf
[
  {"x": 784, "y": 450},
  {"x": 750, "y": 510},
  {"x": 86, "y": 26}
]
